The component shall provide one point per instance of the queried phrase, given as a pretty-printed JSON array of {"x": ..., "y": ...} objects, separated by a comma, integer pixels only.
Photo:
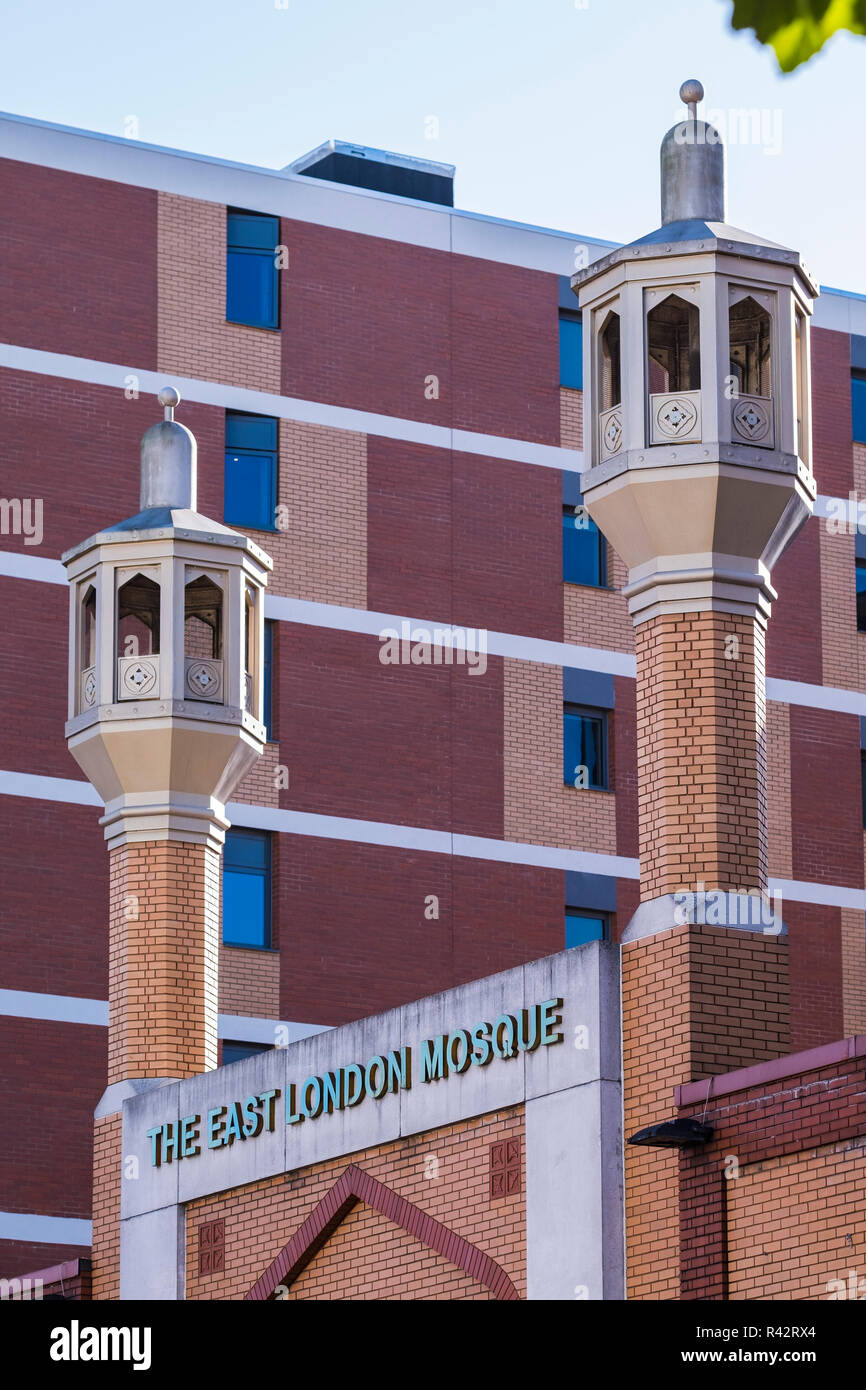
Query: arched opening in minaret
[
  {"x": 138, "y": 617},
  {"x": 610, "y": 388},
  {"x": 202, "y": 619},
  {"x": 87, "y": 651},
  {"x": 673, "y": 346},
  {"x": 749, "y": 327}
]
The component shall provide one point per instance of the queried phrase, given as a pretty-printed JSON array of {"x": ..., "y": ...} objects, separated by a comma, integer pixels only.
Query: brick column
[
  {"x": 701, "y": 741},
  {"x": 163, "y": 953}
]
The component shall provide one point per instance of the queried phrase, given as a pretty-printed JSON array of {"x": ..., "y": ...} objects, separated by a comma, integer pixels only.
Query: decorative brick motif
[
  {"x": 164, "y": 926},
  {"x": 194, "y": 337},
  {"x": 211, "y": 1247},
  {"x": 539, "y": 808},
  {"x": 505, "y": 1168},
  {"x": 444, "y": 1173},
  {"x": 701, "y": 753}
]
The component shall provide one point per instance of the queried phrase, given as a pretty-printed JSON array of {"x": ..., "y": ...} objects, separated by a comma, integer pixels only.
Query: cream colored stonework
[
  {"x": 539, "y": 808},
  {"x": 194, "y": 338}
]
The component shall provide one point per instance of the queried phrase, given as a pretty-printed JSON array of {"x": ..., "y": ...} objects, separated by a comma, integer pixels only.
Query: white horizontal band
[
  {"x": 368, "y": 832},
  {"x": 44, "y": 1230}
]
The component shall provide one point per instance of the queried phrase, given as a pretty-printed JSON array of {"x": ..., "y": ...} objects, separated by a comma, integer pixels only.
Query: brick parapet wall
[
  {"x": 773, "y": 1206},
  {"x": 445, "y": 1172}
]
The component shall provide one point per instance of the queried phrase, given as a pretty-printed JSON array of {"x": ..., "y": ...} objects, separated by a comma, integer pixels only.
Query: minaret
[
  {"x": 165, "y": 718},
  {"x": 697, "y": 439}
]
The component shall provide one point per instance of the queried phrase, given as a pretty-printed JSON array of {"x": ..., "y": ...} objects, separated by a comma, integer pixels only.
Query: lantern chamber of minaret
[{"x": 696, "y": 372}]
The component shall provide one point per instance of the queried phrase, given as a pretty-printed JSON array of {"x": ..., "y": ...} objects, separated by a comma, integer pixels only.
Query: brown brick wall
[
  {"x": 539, "y": 808},
  {"x": 853, "y": 972},
  {"x": 701, "y": 753},
  {"x": 570, "y": 418},
  {"x": 365, "y": 1260},
  {"x": 839, "y": 637},
  {"x": 194, "y": 338},
  {"x": 107, "y": 1167},
  {"x": 697, "y": 1001},
  {"x": 259, "y": 787},
  {"x": 249, "y": 982},
  {"x": 779, "y": 790},
  {"x": 162, "y": 989}
]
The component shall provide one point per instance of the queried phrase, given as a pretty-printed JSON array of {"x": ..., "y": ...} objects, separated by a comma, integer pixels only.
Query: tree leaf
[{"x": 798, "y": 29}]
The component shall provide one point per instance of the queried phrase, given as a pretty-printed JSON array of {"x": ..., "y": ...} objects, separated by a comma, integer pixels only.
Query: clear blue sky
[{"x": 552, "y": 113}]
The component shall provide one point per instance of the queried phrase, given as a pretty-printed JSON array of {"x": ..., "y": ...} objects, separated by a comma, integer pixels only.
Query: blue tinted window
[
  {"x": 571, "y": 351},
  {"x": 861, "y": 595},
  {"x": 238, "y": 1051},
  {"x": 250, "y": 497},
  {"x": 252, "y": 278},
  {"x": 584, "y": 556},
  {"x": 269, "y": 680},
  {"x": 858, "y": 408},
  {"x": 247, "y": 888},
  {"x": 584, "y": 746},
  {"x": 583, "y": 926}
]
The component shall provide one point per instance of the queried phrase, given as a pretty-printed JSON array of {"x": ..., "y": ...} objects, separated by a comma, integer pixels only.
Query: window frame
[
  {"x": 589, "y": 712},
  {"x": 858, "y": 411},
  {"x": 273, "y": 454},
  {"x": 571, "y": 509},
  {"x": 266, "y": 873},
  {"x": 238, "y": 248},
  {"x": 589, "y": 914}
]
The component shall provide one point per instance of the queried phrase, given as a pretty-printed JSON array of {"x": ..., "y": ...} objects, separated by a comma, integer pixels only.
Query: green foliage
[{"x": 798, "y": 29}]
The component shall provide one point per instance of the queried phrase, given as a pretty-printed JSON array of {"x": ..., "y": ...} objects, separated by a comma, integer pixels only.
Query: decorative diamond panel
[
  {"x": 610, "y": 431},
  {"x": 504, "y": 1168},
  {"x": 88, "y": 687},
  {"x": 204, "y": 679},
  {"x": 675, "y": 417},
  {"x": 752, "y": 420},
  {"x": 137, "y": 677}
]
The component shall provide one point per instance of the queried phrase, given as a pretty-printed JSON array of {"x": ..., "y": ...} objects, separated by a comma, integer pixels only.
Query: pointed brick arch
[{"x": 353, "y": 1186}]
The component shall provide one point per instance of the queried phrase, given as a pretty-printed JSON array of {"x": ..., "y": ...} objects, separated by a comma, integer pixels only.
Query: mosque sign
[{"x": 438, "y": 1058}]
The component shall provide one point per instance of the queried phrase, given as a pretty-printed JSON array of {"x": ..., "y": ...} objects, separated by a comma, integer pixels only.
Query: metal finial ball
[
  {"x": 691, "y": 92},
  {"x": 169, "y": 397}
]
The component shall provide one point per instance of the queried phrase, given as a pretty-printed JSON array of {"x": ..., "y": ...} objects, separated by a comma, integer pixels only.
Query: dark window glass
[
  {"x": 247, "y": 888},
  {"x": 582, "y": 926},
  {"x": 570, "y": 350},
  {"x": 863, "y": 781},
  {"x": 252, "y": 278},
  {"x": 861, "y": 594},
  {"x": 239, "y": 1051},
  {"x": 584, "y": 554},
  {"x": 584, "y": 747},
  {"x": 269, "y": 680},
  {"x": 250, "y": 497},
  {"x": 858, "y": 406}
]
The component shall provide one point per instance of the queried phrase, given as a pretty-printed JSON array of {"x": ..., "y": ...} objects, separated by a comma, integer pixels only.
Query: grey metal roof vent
[{"x": 402, "y": 175}]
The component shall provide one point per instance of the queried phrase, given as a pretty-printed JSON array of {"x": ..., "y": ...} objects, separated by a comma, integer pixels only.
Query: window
[
  {"x": 863, "y": 785},
  {"x": 247, "y": 888},
  {"x": 584, "y": 553},
  {"x": 252, "y": 278},
  {"x": 610, "y": 388},
  {"x": 749, "y": 337},
  {"x": 570, "y": 349},
  {"x": 858, "y": 405},
  {"x": 239, "y": 1051},
  {"x": 268, "y": 715},
  {"x": 251, "y": 471},
  {"x": 673, "y": 345},
  {"x": 581, "y": 927},
  {"x": 861, "y": 595},
  {"x": 584, "y": 747}
]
